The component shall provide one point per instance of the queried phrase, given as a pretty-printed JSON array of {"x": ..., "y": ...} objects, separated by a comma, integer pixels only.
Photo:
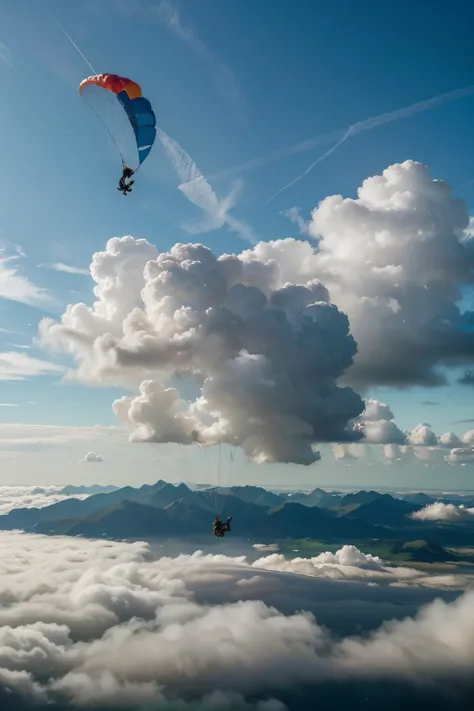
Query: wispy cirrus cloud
[
  {"x": 294, "y": 215},
  {"x": 197, "y": 189},
  {"x": 20, "y": 366},
  {"x": 19, "y": 435},
  {"x": 223, "y": 77},
  {"x": 14, "y": 286},
  {"x": 15, "y": 333},
  {"x": 166, "y": 13},
  {"x": 66, "y": 268},
  {"x": 5, "y": 55}
]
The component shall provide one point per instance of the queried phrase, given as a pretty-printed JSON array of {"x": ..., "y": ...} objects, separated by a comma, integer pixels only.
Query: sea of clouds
[{"x": 103, "y": 624}]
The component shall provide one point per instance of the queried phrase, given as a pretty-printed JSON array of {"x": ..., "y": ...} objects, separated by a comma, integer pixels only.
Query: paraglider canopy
[{"x": 125, "y": 113}]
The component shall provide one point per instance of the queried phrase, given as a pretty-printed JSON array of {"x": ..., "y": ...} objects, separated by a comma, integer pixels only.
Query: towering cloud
[
  {"x": 264, "y": 353},
  {"x": 394, "y": 260},
  {"x": 266, "y": 335}
]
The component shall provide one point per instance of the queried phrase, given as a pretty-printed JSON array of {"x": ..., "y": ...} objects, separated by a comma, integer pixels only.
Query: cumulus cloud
[
  {"x": 423, "y": 435},
  {"x": 265, "y": 354},
  {"x": 449, "y": 440},
  {"x": 377, "y": 425},
  {"x": 460, "y": 455},
  {"x": 101, "y": 624},
  {"x": 443, "y": 512},
  {"x": 376, "y": 410},
  {"x": 91, "y": 458},
  {"x": 21, "y": 366},
  {"x": 397, "y": 452},
  {"x": 468, "y": 437},
  {"x": 398, "y": 244},
  {"x": 348, "y": 451},
  {"x": 348, "y": 563},
  {"x": 265, "y": 335}
]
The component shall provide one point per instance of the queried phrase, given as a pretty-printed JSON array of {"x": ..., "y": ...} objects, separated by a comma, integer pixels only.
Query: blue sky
[{"x": 237, "y": 85}]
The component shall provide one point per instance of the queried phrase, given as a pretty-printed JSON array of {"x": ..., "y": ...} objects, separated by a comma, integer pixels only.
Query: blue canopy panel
[{"x": 143, "y": 121}]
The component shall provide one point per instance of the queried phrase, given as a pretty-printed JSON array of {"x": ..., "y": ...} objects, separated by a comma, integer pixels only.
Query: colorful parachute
[{"x": 125, "y": 113}]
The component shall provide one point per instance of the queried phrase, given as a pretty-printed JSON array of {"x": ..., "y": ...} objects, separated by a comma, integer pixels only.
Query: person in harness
[
  {"x": 123, "y": 186},
  {"x": 220, "y": 528}
]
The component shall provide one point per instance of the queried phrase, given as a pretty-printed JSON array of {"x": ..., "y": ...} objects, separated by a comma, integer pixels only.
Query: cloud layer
[
  {"x": 101, "y": 624},
  {"x": 18, "y": 497},
  {"x": 19, "y": 435}
]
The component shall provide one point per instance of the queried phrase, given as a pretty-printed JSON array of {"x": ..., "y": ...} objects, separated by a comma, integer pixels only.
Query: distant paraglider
[{"x": 126, "y": 115}]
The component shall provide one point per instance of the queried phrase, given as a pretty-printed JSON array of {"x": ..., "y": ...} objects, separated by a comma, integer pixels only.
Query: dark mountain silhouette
[
  {"x": 420, "y": 499},
  {"x": 167, "y": 509},
  {"x": 383, "y": 511},
  {"x": 168, "y": 493},
  {"x": 425, "y": 552},
  {"x": 70, "y": 489},
  {"x": 298, "y": 521},
  {"x": 252, "y": 494},
  {"x": 360, "y": 497},
  {"x": 317, "y": 497}
]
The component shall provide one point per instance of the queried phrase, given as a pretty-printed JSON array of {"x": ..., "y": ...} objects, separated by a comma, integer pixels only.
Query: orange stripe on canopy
[{"x": 113, "y": 83}]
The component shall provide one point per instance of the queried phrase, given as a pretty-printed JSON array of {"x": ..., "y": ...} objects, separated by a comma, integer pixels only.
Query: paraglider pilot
[
  {"x": 220, "y": 529},
  {"x": 123, "y": 186}
]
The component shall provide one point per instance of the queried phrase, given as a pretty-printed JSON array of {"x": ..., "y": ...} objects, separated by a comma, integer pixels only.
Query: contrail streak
[
  {"x": 74, "y": 44},
  {"x": 389, "y": 117}
]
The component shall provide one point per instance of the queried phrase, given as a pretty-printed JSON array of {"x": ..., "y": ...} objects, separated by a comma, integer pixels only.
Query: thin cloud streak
[
  {"x": 223, "y": 77},
  {"x": 335, "y": 136},
  {"x": 381, "y": 120},
  {"x": 16, "y": 333},
  {"x": 5, "y": 56},
  {"x": 16, "y": 366},
  {"x": 68, "y": 269},
  {"x": 198, "y": 191},
  {"x": 465, "y": 185},
  {"x": 279, "y": 154},
  {"x": 74, "y": 44},
  {"x": 313, "y": 165},
  {"x": 16, "y": 287}
]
